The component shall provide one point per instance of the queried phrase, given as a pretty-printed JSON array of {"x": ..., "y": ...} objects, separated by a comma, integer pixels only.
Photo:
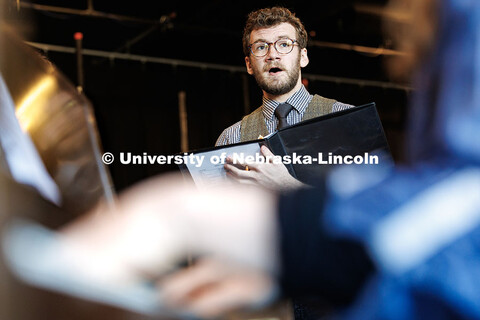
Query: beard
[{"x": 276, "y": 86}]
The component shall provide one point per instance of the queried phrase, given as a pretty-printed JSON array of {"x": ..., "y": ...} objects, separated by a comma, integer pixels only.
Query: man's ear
[
  {"x": 249, "y": 66},
  {"x": 303, "y": 58}
]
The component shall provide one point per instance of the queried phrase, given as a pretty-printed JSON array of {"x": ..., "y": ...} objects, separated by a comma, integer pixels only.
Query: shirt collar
[{"x": 299, "y": 101}]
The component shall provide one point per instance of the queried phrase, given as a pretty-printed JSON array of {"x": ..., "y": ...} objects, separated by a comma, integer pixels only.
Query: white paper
[{"x": 211, "y": 172}]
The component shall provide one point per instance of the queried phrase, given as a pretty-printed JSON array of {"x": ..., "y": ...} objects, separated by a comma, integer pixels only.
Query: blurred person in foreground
[{"x": 378, "y": 243}]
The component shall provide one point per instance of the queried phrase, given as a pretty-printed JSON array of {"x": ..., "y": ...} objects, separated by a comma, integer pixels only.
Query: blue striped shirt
[{"x": 299, "y": 101}]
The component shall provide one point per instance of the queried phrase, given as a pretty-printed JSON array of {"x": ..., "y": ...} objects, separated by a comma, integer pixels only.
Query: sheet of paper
[{"x": 211, "y": 171}]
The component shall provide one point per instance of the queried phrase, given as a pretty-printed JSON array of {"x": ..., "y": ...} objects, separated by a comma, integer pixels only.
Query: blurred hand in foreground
[
  {"x": 213, "y": 287},
  {"x": 158, "y": 223}
]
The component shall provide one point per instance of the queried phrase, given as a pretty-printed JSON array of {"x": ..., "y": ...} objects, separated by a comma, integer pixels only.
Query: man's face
[{"x": 276, "y": 73}]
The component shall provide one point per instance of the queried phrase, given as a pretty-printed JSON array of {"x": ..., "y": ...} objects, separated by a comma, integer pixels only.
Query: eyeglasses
[{"x": 283, "y": 46}]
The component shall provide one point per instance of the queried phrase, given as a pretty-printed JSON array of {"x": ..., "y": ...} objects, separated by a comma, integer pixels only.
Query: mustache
[{"x": 269, "y": 66}]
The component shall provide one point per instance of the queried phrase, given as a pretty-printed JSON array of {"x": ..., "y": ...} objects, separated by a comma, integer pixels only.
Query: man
[{"x": 274, "y": 44}]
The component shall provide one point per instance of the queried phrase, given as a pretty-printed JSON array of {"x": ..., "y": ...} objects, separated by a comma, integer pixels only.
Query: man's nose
[{"x": 272, "y": 53}]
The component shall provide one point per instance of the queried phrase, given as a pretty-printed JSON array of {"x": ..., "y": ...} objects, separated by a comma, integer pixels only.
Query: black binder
[{"x": 336, "y": 137}]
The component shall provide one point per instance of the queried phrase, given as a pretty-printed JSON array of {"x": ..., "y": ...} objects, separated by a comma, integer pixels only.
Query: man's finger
[
  {"x": 267, "y": 154},
  {"x": 238, "y": 161},
  {"x": 237, "y": 172}
]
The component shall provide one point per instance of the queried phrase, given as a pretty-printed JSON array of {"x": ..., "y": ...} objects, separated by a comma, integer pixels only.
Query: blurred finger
[
  {"x": 212, "y": 288},
  {"x": 239, "y": 291},
  {"x": 177, "y": 289}
]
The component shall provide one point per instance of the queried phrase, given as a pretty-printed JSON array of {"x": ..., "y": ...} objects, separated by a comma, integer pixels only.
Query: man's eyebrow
[{"x": 278, "y": 38}]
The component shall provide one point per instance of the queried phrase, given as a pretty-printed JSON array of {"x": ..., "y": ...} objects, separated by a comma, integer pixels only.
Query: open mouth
[{"x": 274, "y": 70}]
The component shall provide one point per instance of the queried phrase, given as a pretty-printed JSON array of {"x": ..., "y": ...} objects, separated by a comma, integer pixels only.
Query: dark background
[{"x": 135, "y": 98}]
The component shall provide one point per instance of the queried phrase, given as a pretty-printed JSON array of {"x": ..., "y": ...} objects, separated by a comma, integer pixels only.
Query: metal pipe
[
  {"x": 87, "y": 12},
  {"x": 214, "y": 66},
  {"x": 361, "y": 49},
  {"x": 182, "y": 112},
  {"x": 246, "y": 94},
  {"x": 78, "y": 36}
]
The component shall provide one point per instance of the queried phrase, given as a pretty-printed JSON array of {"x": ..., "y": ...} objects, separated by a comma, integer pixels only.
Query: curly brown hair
[{"x": 270, "y": 17}]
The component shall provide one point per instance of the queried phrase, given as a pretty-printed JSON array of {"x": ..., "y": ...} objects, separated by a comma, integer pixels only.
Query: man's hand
[{"x": 274, "y": 176}]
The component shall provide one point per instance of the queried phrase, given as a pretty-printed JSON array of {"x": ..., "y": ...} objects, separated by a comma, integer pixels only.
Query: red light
[{"x": 78, "y": 36}]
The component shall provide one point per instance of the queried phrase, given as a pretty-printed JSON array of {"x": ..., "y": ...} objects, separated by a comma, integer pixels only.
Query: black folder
[{"x": 353, "y": 136}]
